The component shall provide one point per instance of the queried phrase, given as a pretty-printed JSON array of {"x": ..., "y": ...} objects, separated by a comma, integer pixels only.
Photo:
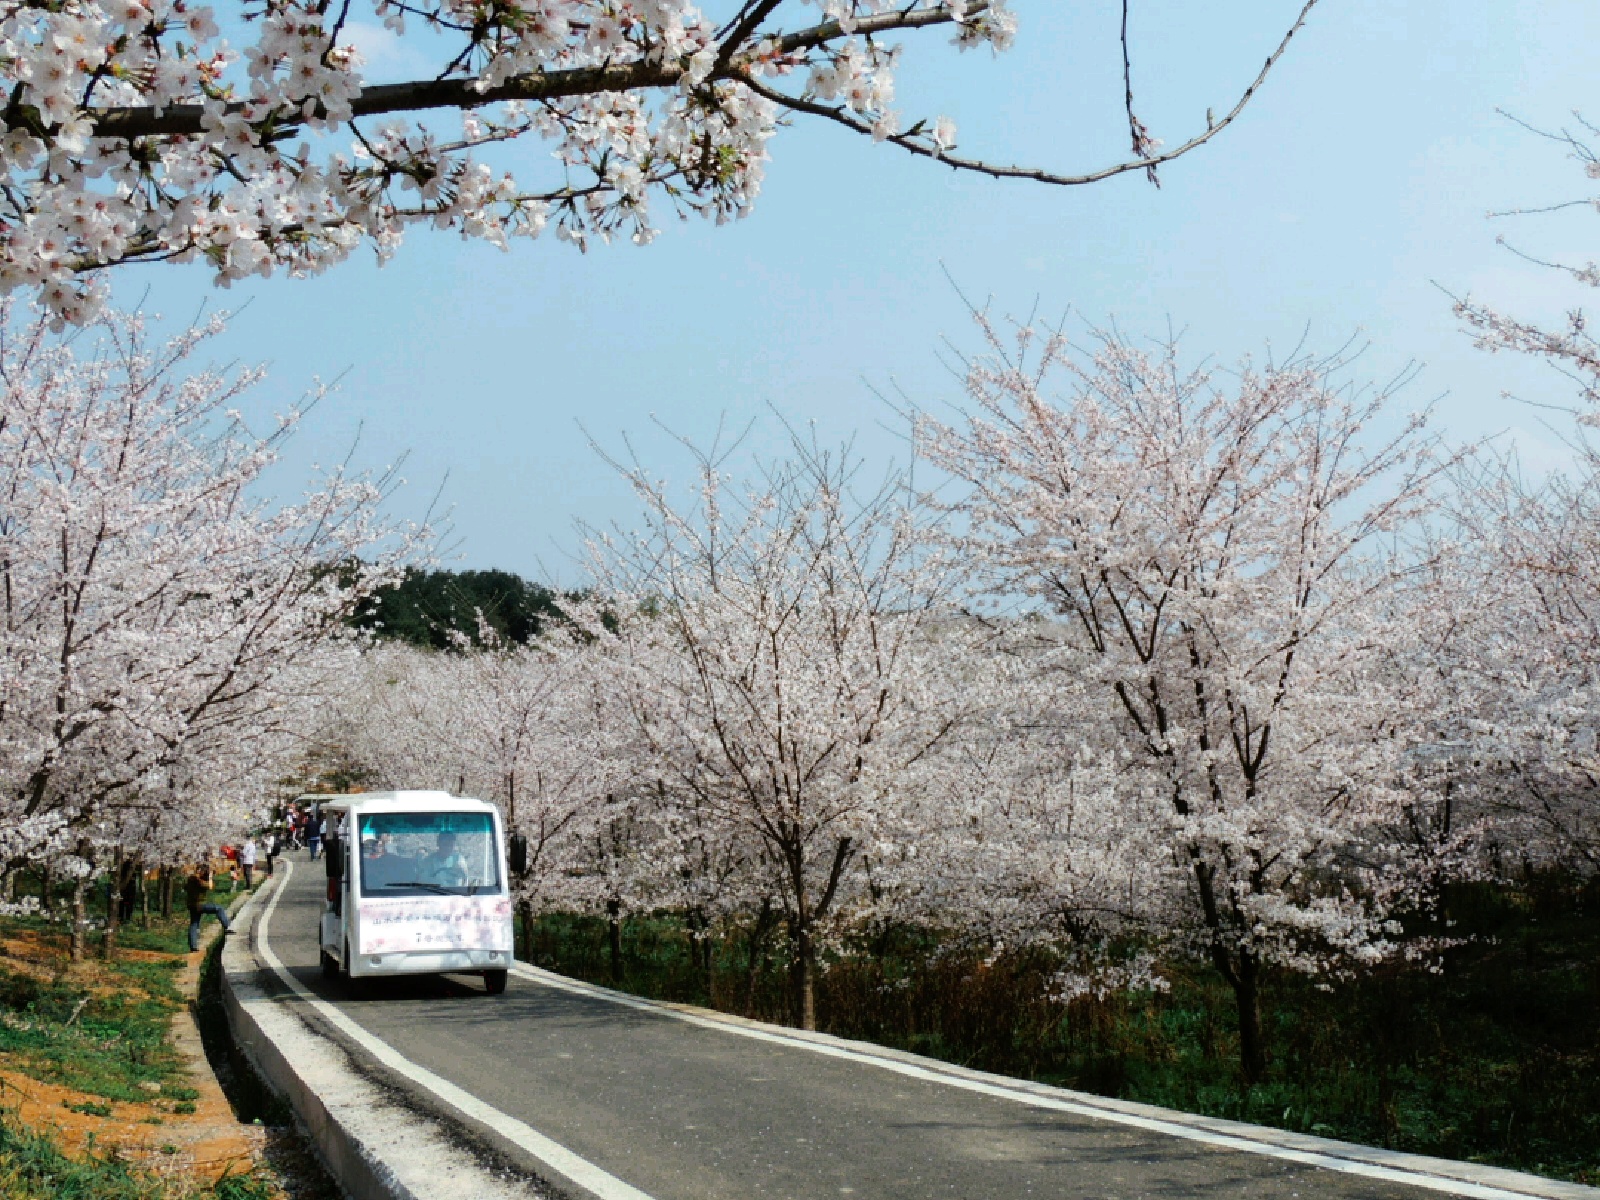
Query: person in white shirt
[{"x": 247, "y": 860}]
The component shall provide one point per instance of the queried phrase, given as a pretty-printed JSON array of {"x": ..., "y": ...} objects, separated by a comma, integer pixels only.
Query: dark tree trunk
[
  {"x": 166, "y": 893},
  {"x": 802, "y": 974},
  {"x": 47, "y": 888},
  {"x": 700, "y": 949},
  {"x": 80, "y": 918},
  {"x": 614, "y": 938},
  {"x": 758, "y": 954},
  {"x": 1247, "y": 994},
  {"x": 1240, "y": 967}
]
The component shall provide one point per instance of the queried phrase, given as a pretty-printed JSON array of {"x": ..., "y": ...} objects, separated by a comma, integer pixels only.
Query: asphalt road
[{"x": 684, "y": 1112}]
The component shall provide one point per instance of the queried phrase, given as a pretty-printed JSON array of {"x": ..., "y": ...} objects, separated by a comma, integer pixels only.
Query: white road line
[
  {"x": 556, "y": 1156},
  {"x": 1437, "y": 1183}
]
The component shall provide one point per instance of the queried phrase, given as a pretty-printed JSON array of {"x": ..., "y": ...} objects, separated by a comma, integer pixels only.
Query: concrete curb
[
  {"x": 1517, "y": 1182},
  {"x": 375, "y": 1148}
]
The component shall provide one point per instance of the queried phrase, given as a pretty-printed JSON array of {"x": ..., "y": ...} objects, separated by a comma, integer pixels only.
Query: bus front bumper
[{"x": 428, "y": 962}]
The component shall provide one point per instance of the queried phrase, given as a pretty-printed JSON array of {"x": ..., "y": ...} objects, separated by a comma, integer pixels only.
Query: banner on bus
[{"x": 418, "y": 923}]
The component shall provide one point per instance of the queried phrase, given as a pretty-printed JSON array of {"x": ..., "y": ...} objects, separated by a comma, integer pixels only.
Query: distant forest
[{"x": 437, "y": 608}]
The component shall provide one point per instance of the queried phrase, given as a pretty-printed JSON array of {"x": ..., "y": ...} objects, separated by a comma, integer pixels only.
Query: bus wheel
[
  {"x": 494, "y": 982},
  {"x": 354, "y": 988}
]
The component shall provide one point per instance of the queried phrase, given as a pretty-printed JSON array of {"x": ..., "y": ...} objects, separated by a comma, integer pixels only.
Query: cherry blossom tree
[
  {"x": 164, "y": 629},
  {"x": 1516, "y": 646},
  {"x": 254, "y": 139},
  {"x": 1531, "y": 549},
  {"x": 784, "y": 681},
  {"x": 1213, "y": 553},
  {"x": 526, "y": 727}
]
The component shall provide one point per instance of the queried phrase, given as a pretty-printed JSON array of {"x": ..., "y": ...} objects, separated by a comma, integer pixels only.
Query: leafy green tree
[{"x": 439, "y": 608}]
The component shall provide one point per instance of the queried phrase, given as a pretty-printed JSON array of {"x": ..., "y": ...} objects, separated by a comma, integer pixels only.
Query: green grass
[
  {"x": 108, "y": 1040},
  {"x": 106, "y": 1045},
  {"x": 1494, "y": 1059},
  {"x": 32, "y": 1167}
]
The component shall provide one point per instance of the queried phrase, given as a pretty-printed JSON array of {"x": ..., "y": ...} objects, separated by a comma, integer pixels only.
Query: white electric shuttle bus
[{"x": 416, "y": 886}]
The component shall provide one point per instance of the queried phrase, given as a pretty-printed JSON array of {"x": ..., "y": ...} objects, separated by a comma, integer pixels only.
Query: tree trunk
[
  {"x": 525, "y": 919},
  {"x": 166, "y": 893},
  {"x": 758, "y": 954},
  {"x": 802, "y": 976},
  {"x": 1243, "y": 975},
  {"x": 708, "y": 948},
  {"x": 144, "y": 897},
  {"x": 108, "y": 940},
  {"x": 700, "y": 950},
  {"x": 614, "y": 938},
  {"x": 47, "y": 887},
  {"x": 1247, "y": 994},
  {"x": 80, "y": 918}
]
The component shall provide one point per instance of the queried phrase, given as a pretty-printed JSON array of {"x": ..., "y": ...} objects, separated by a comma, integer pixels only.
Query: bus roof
[{"x": 404, "y": 801}]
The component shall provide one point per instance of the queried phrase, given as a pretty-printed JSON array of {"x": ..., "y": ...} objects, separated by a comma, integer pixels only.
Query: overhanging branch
[
  {"x": 842, "y": 116},
  {"x": 179, "y": 120}
]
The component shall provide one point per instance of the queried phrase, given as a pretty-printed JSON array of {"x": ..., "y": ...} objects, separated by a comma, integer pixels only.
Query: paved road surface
[{"x": 685, "y": 1112}]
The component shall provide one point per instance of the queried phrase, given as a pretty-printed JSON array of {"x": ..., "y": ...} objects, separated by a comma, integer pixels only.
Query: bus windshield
[{"x": 428, "y": 853}]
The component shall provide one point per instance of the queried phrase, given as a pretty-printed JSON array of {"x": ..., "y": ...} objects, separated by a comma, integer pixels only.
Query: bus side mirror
[
  {"x": 519, "y": 854},
  {"x": 334, "y": 854}
]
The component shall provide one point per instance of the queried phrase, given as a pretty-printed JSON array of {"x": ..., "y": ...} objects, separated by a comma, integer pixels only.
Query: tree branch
[
  {"x": 178, "y": 120},
  {"x": 842, "y": 116}
]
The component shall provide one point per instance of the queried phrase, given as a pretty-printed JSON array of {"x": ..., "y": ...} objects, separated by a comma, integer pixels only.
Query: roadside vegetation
[
  {"x": 96, "y": 1101},
  {"x": 1494, "y": 1059},
  {"x": 33, "y": 1167},
  {"x": 99, "y": 1028}
]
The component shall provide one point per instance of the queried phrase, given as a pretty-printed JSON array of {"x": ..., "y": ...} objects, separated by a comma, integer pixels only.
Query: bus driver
[{"x": 446, "y": 866}]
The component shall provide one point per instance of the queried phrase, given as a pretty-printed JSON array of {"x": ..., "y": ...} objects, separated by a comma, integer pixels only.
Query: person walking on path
[
  {"x": 247, "y": 860},
  {"x": 195, "y": 890},
  {"x": 313, "y": 835},
  {"x": 269, "y": 847}
]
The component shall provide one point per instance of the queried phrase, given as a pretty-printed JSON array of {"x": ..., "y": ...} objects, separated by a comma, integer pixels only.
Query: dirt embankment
[{"x": 106, "y": 1058}]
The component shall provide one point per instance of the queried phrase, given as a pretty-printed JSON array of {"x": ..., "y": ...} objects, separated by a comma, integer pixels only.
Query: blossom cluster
[{"x": 253, "y": 139}]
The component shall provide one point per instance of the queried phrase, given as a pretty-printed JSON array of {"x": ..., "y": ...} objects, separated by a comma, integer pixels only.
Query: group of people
[
  {"x": 304, "y": 828},
  {"x": 299, "y": 827}
]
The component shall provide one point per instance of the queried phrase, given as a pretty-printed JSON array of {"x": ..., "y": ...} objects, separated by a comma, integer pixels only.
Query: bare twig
[
  {"x": 905, "y": 141},
  {"x": 1136, "y": 128}
]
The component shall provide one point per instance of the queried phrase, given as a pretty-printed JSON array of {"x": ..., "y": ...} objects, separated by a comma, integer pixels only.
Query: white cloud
[{"x": 388, "y": 56}]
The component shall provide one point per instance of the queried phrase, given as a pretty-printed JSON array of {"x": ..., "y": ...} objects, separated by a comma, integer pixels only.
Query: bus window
[{"x": 421, "y": 854}]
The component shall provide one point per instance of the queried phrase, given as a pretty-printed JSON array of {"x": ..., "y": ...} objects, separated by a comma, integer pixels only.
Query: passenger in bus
[
  {"x": 377, "y": 864},
  {"x": 446, "y": 866}
]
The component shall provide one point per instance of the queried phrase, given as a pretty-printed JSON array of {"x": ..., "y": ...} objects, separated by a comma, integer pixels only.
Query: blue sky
[{"x": 1350, "y": 193}]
